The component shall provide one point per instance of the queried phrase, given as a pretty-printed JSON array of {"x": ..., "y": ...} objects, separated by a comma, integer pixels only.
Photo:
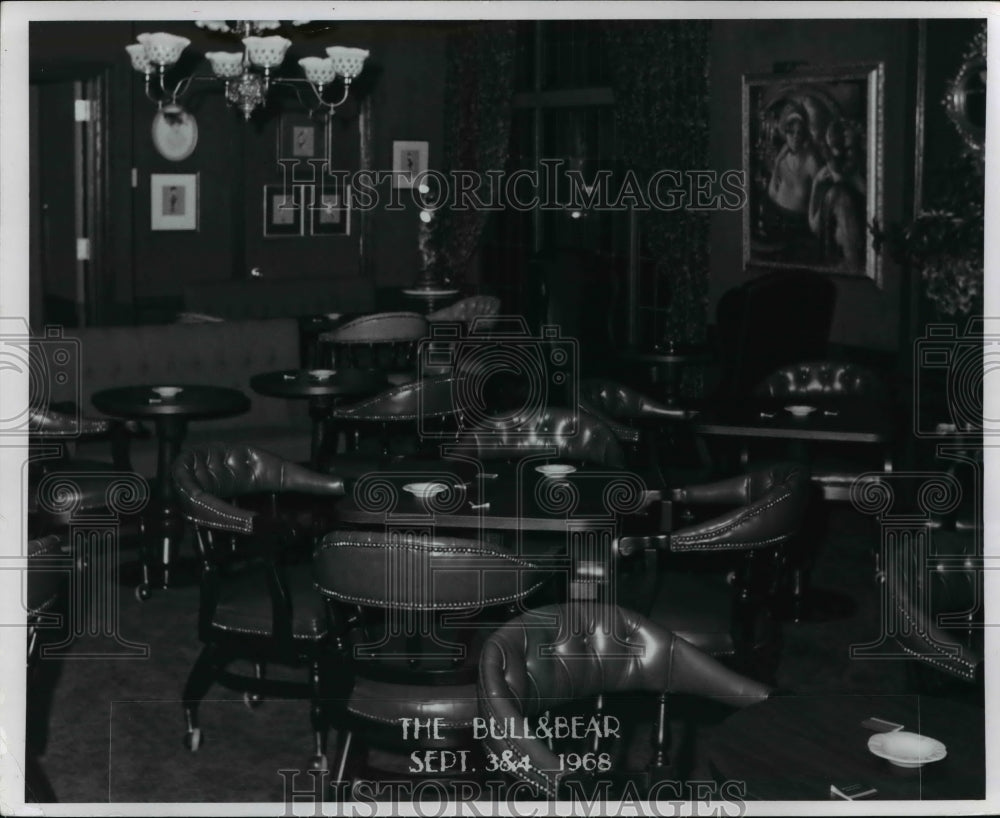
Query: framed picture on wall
[
  {"x": 282, "y": 211},
  {"x": 302, "y": 139},
  {"x": 173, "y": 201},
  {"x": 408, "y": 160},
  {"x": 812, "y": 155},
  {"x": 330, "y": 212}
]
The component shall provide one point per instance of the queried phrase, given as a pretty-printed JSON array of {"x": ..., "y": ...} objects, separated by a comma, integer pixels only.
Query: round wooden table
[
  {"x": 170, "y": 416},
  {"x": 321, "y": 392},
  {"x": 494, "y": 498},
  {"x": 795, "y": 747},
  {"x": 496, "y": 495}
]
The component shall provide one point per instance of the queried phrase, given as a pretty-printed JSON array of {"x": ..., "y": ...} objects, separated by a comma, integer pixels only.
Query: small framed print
[
  {"x": 408, "y": 160},
  {"x": 173, "y": 201},
  {"x": 302, "y": 138},
  {"x": 282, "y": 211},
  {"x": 331, "y": 212}
]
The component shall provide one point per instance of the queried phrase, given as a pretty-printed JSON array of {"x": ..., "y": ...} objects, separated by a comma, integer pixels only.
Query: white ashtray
[
  {"x": 424, "y": 490},
  {"x": 800, "y": 411},
  {"x": 555, "y": 469},
  {"x": 168, "y": 391},
  {"x": 905, "y": 749},
  {"x": 322, "y": 374}
]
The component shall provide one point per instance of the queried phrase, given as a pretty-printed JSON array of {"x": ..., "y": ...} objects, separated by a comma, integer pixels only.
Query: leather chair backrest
[
  {"x": 406, "y": 571},
  {"x": 623, "y": 402},
  {"x": 771, "y": 321},
  {"x": 51, "y": 423},
  {"x": 557, "y": 654},
  {"x": 430, "y": 397},
  {"x": 825, "y": 378},
  {"x": 48, "y": 571},
  {"x": 380, "y": 327},
  {"x": 206, "y": 476},
  {"x": 576, "y": 436},
  {"x": 771, "y": 505},
  {"x": 386, "y": 341},
  {"x": 467, "y": 309},
  {"x": 940, "y": 600}
]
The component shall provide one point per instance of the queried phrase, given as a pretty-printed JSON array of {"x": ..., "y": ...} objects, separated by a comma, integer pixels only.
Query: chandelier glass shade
[{"x": 247, "y": 74}]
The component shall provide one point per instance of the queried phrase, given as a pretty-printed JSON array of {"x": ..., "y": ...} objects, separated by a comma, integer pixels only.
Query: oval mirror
[{"x": 965, "y": 99}]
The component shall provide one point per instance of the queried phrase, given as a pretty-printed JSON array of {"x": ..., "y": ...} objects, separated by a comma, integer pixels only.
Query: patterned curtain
[
  {"x": 660, "y": 79},
  {"x": 479, "y": 85}
]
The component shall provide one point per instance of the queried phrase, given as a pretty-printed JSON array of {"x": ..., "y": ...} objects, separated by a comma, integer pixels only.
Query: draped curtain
[
  {"x": 660, "y": 80},
  {"x": 479, "y": 85}
]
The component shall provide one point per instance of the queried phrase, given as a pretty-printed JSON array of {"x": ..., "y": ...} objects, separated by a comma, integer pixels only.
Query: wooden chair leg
[
  {"x": 198, "y": 682},
  {"x": 252, "y": 698},
  {"x": 661, "y": 736},
  {"x": 317, "y": 715}
]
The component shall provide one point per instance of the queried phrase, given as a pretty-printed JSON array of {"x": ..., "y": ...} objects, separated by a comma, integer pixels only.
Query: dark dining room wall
[
  {"x": 866, "y": 315},
  {"x": 147, "y": 270}
]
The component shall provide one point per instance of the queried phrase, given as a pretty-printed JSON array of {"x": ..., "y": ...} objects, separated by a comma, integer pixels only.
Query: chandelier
[{"x": 248, "y": 74}]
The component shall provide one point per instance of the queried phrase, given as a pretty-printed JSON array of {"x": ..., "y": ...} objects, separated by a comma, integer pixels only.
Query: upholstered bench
[
  {"x": 223, "y": 353},
  {"x": 278, "y": 298}
]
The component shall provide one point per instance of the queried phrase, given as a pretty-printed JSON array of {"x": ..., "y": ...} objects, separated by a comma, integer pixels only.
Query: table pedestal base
[{"x": 159, "y": 536}]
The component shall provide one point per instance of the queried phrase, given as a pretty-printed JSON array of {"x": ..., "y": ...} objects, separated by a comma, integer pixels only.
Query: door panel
[{"x": 53, "y": 203}]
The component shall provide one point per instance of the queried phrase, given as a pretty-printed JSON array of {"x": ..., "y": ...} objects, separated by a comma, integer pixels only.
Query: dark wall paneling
[
  {"x": 866, "y": 315},
  {"x": 234, "y": 161}
]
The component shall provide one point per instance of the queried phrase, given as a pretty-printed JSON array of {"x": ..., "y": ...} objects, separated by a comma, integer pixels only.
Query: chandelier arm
[
  {"x": 295, "y": 83},
  {"x": 181, "y": 88}
]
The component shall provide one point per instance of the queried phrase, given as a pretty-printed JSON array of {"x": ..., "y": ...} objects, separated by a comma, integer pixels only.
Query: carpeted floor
[{"x": 115, "y": 724}]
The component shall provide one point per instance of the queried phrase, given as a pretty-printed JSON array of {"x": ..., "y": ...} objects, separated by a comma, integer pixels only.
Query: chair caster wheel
[
  {"x": 192, "y": 739},
  {"x": 143, "y": 592},
  {"x": 318, "y": 763},
  {"x": 251, "y": 700}
]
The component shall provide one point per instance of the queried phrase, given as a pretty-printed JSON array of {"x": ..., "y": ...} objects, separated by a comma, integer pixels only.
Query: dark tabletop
[
  {"x": 519, "y": 497},
  {"x": 298, "y": 383},
  {"x": 194, "y": 401},
  {"x": 844, "y": 421},
  {"x": 669, "y": 354},
  {"x": 795, "y": 747},
  {"x": 325, "y": 322}
]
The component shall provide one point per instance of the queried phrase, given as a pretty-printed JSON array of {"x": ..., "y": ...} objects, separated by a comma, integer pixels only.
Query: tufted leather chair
[
  {"x": 643, "y": 426},
  {"x": 717, "y": 575},
  {"x": 51, "y": 433},
  {"x": 48, "y": 567},
  {"x": 555, "y": 655},
  {"x": 394, "y": 417},
  {"x": 255, "y": 603},
  {"x": 578, "y": 437},
  {"x": 834, "y": 383},
  {"x": 467, "y": 309},
  {"x": 827, "y": 379},
  {"x": 411, "y": 610},
  {"x": 949, "y": 589},
  {"x": 939, "y": 604},
  {"x": 386, "y": 341}
]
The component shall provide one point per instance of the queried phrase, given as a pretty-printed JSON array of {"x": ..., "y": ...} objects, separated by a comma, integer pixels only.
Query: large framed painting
[{"x": 812, "y": 154}]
